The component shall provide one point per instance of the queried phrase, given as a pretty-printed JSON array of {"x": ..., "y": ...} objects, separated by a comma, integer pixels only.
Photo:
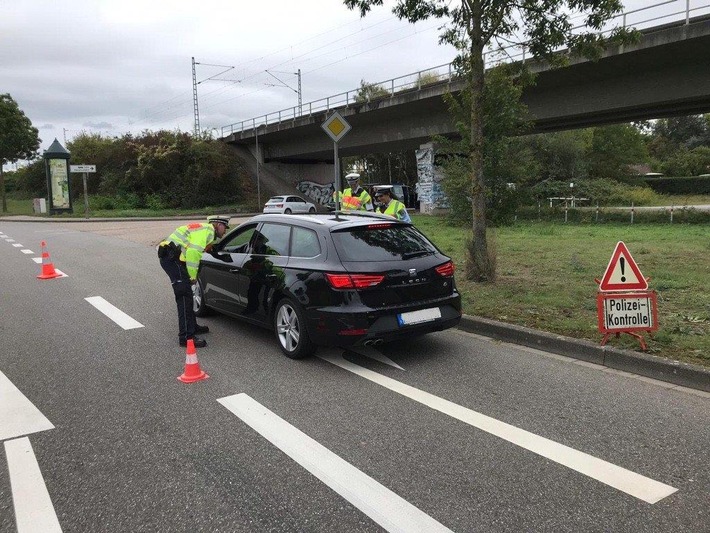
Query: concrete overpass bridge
[{"x": 667, "y": 73}]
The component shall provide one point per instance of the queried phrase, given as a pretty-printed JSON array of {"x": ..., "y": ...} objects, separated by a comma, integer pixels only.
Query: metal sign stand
[
  {"x": 336, "y": 127},
  {"x": 84, "y": 169}
]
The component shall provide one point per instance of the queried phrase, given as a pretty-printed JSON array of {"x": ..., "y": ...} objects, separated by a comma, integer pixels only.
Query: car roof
[{"x": 330, "y": 220}]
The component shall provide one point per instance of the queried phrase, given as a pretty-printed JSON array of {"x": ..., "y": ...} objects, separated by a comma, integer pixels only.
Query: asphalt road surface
[{"x": 449, "y": 432}]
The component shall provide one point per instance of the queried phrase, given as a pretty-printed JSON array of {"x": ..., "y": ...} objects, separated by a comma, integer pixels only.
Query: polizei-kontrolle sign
[{"x": 627, "y": 312}]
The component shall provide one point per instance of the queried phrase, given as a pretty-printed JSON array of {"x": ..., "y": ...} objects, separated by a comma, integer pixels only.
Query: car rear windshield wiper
[{"x": 418, "y": 253}]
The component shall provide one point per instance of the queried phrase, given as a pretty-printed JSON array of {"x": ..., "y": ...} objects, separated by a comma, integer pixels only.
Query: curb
[{"x": 676, "y": 372}]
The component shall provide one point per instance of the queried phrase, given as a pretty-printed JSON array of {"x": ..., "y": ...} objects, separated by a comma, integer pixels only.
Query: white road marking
[
  {"x": 18, "y": 245},
  {"x": 372, "y": 353},
  {"x": 375, "y": 500},
  {"x": 26, "y": 251},
  {"x": 18, "y": 415},
  {"x": 9, "y": 240},
  {"x": 33, "y": 506},
  {"x": 636, "y": 485},
  {"x": 37, "y": 260},
  {"x": 114, "y": 313}
]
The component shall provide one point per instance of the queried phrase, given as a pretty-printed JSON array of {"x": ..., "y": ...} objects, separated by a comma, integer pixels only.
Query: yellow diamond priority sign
[{"x": 336, "y": 126}]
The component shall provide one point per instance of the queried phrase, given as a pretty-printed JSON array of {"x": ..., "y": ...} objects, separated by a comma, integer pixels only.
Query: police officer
[
  {"x": 180, "y": 256},
  {"x": 389, "y": 205},
  {"x": 355, "y": 197}
]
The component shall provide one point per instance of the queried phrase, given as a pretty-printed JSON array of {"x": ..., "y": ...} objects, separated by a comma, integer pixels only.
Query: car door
[
  {"x": 222, "y": 271},
  {"x": 264, "y": 269},
  {"x": 298, "y": 205}
]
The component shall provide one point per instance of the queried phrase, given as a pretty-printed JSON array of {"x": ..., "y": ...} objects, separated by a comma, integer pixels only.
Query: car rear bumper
[{"x": 343, "y": 326}]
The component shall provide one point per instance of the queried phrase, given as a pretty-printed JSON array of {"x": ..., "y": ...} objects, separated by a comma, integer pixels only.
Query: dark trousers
[{"x": 177, "y": 272}]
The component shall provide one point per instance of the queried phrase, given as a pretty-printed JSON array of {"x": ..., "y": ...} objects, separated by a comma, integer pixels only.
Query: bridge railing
[{"x": 645, "y": 18}]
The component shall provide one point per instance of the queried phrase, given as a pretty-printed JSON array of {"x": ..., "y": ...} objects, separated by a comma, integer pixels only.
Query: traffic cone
[
  {"x": 192, "y": 370},
  {"x": 48, "y": 271}
]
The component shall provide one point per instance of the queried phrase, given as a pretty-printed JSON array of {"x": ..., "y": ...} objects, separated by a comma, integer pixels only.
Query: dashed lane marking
[
  {"x": 631, "y": 483},
  {"x": 26, "y": 251},
  {"x": 18, "y": 245},
  {"x": 33, "y": 506},
  {"x": 114, "y": 313},
  {"x": 389, "y": 510}
]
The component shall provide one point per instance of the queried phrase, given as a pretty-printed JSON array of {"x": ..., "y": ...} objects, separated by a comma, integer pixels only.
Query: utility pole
[
  {"x": 284, "y": 84},
  {"x": 195, "y": 83},
  {"x": 194, "y": 99},
  {"x": 300, "y": 101}
]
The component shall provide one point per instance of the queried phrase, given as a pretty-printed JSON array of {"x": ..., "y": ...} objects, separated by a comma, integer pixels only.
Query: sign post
[
  {"x": 84, "y": 169},
  {"x": 624, "y": 304},
  {"x": 336, "y": 127}
]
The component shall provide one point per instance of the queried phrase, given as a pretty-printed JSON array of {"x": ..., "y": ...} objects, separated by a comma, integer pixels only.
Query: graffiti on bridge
[{"x": 316, "y": 192}]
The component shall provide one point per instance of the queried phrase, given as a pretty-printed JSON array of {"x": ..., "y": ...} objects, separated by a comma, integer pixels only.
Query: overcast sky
[{"x": 114, "y": 66}]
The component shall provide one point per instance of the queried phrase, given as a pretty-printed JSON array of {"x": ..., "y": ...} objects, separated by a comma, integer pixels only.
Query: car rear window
[
  {"x": 276, "y": 199},
  {"x": 377, "y": 243}
]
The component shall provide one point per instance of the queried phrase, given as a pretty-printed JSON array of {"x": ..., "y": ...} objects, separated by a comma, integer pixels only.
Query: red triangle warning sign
[{"x": 622, "y": 273}]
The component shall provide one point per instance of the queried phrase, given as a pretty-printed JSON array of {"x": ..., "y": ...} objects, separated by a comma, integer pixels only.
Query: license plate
[{"x": 416, "y": 317}]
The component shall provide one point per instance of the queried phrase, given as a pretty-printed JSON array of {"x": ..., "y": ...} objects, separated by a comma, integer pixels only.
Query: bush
[{"x": 599, "y": 191}]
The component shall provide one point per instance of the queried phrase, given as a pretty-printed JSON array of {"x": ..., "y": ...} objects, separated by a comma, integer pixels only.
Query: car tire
[
  {"x": 198, "y": 299},
  {"x": 291, "y": 332},
  {"x": 312, "y": 210},
  {"x": 287, "y": 211}
]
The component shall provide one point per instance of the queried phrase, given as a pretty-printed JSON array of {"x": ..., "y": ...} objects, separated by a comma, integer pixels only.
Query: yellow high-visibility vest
[{"x": 192, "y": 240}]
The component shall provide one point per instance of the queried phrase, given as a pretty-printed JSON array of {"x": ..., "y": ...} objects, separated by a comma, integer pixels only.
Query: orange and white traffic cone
[
  {"x": 48, "y": 271},
  {"x": 192, "y": 371}
]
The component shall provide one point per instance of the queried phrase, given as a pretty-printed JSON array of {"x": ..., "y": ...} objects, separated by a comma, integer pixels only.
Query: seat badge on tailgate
[{"x": 412, "y": 272}]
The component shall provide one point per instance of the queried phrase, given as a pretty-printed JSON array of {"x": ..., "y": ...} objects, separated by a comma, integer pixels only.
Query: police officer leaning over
[
  {"x": 389, "y": 205},
  {"x": 180, "y": 256},
  {"x": 355, "y": 197}
]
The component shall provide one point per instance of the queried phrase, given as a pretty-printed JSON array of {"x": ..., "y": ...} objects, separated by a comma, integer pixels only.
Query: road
[{"x": 450, "y": 432}]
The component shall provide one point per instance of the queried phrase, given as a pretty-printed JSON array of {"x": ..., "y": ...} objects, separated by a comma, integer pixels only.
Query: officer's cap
[
  {"x": 353, "y": 176},
  {"x": 218, "y": 219},
  {"x": 383, "y": 189}
]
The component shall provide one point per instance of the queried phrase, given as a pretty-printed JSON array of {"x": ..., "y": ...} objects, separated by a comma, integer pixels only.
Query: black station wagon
[{"x": 333, "y": 280}]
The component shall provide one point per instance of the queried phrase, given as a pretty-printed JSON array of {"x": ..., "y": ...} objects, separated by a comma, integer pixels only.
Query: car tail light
[
  {"x": 354, "y": 281},
  {"x": 446, "y": 270},
  {"x": 378, "y": 226},
  {"x": 352, "y": 332}
]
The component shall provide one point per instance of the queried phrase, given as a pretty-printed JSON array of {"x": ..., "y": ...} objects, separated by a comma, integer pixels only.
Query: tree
[
  {"x": 689, "y": 132},
  {"x": 18, "y": 138},
  {"x": 544, "y": 26},
  {"x": 613, "y": 149}
]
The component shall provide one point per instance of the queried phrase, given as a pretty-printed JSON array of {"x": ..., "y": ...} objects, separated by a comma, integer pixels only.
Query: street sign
[
  {"x": 636, "y": 311},
  {"x": 82, "y": 168},
  {"x": 622, "y": 273},
  {"x": 336, "y": 127}
]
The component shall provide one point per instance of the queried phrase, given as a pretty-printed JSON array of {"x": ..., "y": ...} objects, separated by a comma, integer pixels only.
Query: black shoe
[
  {"x": 199, "y": 343},
  {"x": 202, "y": 329}
]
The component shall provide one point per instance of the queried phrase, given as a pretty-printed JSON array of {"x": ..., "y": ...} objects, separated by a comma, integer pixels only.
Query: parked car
[
  {"x": 352, "y": 279},
  {"x": 288, "y": 204}
]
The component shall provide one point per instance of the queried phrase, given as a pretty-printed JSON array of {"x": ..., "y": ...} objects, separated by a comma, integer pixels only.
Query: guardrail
[{"x": 447, "y": 72}]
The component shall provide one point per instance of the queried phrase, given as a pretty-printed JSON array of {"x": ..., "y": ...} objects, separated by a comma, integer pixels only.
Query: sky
[{"x": 118, "y": 66}]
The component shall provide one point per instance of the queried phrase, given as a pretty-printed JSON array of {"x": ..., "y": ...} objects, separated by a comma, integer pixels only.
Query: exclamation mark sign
[{"x": 622, "y": 264}]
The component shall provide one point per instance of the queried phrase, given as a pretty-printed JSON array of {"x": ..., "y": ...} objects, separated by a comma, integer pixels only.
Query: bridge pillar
[{"x": 432, "y": 199}]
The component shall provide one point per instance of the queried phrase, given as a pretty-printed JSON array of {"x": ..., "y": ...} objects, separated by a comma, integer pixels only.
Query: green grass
[{"x": 546, "y": 272}]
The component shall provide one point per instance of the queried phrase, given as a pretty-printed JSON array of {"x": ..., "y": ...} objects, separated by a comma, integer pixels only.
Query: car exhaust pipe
[{"x": 369, "y": 342}]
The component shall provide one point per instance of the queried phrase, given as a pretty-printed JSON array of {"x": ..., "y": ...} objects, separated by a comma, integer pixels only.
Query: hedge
[{"x": 689, "y": 185}]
